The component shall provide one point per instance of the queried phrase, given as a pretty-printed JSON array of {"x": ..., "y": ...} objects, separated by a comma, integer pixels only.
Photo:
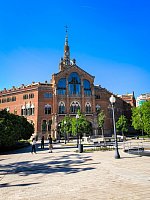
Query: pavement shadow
[
  {"x": 12, "y": 185},
  {"x": 68, "y": 164}
]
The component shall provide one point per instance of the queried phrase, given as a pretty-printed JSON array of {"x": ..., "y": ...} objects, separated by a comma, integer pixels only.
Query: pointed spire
[
  {"x": 66, "y": 38},
  {"x": 65, "y": 61},
  {"x": 66, "y": 49}
]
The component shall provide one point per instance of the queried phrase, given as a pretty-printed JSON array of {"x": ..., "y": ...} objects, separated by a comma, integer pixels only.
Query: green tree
[
  {"x": 141, "y": 117},
  {"x": 75, "y": 127},
  {"x": 101, "y": 120},
  {"x": 82, "y": 125},
  {"x": 13, "y": 128},
  {"x": 122, "y": 125},
  {"x": 146, "y": 116},
  {"x": 26, "y": 128},
  {"x": 137, "y": 119}
]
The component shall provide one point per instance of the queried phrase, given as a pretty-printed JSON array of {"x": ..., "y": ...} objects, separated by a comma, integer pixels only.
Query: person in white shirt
[{"x": 33, "y": 146}]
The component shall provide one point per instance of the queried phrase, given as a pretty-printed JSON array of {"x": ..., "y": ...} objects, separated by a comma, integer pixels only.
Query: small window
[
  {"x": 61, "y": 108},
  {"x": 88, "y": 107},
  {"x": 47, "y": 109},
  {"x": 97, "y": 96},
  {"x": 8, "y": 99},
  {"x": 3, "y": 100},
  {"x": 13, "y": 98},
  {"x": 25, "y": 96},
  {"x": 31, "y": 96}
]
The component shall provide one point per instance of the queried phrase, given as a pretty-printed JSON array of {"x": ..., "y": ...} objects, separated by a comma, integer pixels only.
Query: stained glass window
[{"x": 74, "y": 84}]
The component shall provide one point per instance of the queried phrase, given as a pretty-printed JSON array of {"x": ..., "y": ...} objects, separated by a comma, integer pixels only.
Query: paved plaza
[{"x": 67, "y": 175}]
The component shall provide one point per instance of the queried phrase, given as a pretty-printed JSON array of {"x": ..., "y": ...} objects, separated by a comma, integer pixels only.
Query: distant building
[
  {"x": 72, "y": 88},
  {"x": 129, "y": 98},
  {"x": 142, "y": 98}
]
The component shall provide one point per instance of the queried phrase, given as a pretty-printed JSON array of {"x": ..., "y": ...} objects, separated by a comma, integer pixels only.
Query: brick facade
[{"x": 46, "y": 104}]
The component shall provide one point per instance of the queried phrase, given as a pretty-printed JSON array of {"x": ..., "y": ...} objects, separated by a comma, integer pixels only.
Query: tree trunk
[
  {"x": 103, "y": 135},
  {"x": 123, "y": 135}
]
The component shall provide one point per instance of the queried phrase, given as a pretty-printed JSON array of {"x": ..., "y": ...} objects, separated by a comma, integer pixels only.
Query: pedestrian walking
[
  {"x": 42, "y": 142},
  {"x": 50, "y": 143},
  {"x": 33, "y": 145}
]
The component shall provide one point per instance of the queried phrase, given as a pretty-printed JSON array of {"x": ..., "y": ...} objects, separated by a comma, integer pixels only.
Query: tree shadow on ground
[
  {"x": 12, "y": 185},
  {"x": 68, "y": 164}
]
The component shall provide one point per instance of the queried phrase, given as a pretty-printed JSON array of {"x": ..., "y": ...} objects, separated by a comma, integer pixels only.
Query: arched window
[
  {"x": 87, "y": 88},
  {"x": 23, "y": 110},
  {"x": 74, "y": 107},
  {"x": 88, "y": 107},
  {"x": 28, "y": 110},
  {"x": 74, "y": 84},
  {"x": 32, "y": 109},
  {"x": 61, "y": 86},
  {"x": 47, "y": 109},
  {"x": 61, "y": 107}
]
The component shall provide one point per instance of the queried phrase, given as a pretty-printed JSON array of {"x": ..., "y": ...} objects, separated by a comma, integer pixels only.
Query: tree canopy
[
  {"x": 141, "y": 117},
  {"x": 13, "y": 128},
  {"x": 73, "y": 126}
]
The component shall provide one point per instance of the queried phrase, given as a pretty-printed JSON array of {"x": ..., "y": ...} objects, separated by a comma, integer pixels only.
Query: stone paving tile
[{"x": 66, "y": 175}]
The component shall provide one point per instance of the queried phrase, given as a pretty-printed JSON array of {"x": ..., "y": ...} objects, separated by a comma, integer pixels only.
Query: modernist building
[
  {"x": 72, "y": 88},
  {"x": 142, "y": 98}
]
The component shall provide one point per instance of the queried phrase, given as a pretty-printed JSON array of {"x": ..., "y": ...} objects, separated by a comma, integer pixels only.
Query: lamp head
[
  {"x": 112, "y": 99},
  {"x": 97, "y": 107}
]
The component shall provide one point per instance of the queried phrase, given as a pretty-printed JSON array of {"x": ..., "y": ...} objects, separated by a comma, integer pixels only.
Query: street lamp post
[
  {"x": 112, "y": 100},
  {"x": 79, "y": 145},
  {"x": 59, "y": 125},
  {"x": 97, "y": 112},
  {"x": 65, "y": 131},
  {"x": 77, "y": 117}
]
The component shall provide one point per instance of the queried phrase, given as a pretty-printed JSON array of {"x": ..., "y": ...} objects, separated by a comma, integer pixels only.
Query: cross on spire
[{"x": 66, "y": 27}]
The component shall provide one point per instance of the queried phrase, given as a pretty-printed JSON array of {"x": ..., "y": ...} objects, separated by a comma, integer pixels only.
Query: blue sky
[{"x": 109, "y": 39}]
